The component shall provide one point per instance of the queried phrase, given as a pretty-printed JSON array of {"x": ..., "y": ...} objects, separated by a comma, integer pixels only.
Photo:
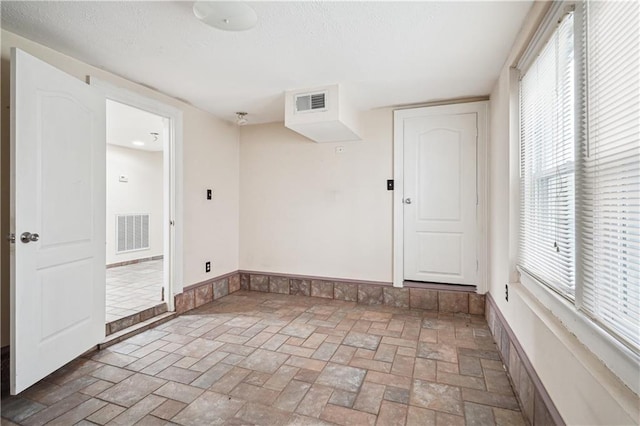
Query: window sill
[{"x": 618, "y": 358}]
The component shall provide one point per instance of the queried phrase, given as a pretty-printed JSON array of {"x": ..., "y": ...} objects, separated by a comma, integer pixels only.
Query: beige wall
[
  {"x": 306, "y": 210},
  {"x": 583, "y": 389},
  {"x": 141, "y": 194},
  {"x": 211, "y": 160},
  {"x": 211, "y": 227}
]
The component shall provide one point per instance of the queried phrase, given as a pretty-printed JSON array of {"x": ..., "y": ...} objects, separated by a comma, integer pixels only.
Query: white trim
[
  {"x": 514, "y": 172},
  {"x": 173, "y": 175},
  {"x": 552, "y": 19},
  {"x": 483, "y": 196},
  {"x": 398, "y": 195},
  {"x": 621, "y": 360},
  {"x": 481, "y": 108}
]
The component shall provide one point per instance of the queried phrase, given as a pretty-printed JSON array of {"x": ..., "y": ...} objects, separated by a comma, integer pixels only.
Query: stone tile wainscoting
[
  {"x": 130, "y": 320},
  {"x": 200, "y": 294},
  {"x": 535, "y": 403},
  {"x": 350, "y": 291}
]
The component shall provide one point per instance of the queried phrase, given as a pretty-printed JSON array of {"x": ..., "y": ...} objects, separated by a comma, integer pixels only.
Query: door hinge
[
  {"x": 11, "y": 238},
  {"x": 477, "y": 265}
]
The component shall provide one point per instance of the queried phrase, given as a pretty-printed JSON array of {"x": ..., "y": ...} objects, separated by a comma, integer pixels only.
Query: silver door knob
[
  {"x": 407, "y": 201},
  {"x": 28, "y": 237}
]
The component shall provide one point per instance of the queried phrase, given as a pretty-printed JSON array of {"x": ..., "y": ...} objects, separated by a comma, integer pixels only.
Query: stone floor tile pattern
[
  {"x": 133, "y": 288},
  {"x": 254, "y": 358}
]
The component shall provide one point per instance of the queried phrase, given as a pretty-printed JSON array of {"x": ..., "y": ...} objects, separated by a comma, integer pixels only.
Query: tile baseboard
[
  {"x": 134, "y": 261},
  {"x": 207, "y": 291},
  {"x": 133, "y": 319},
  {"x": 362, "y": 292},
  {"x": 535, "y": 403}
]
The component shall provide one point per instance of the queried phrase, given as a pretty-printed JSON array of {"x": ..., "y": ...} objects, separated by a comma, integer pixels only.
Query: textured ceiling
[{"x": 383, "y": 53}]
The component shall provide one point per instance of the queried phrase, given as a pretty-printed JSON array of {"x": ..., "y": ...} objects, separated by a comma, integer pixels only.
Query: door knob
[
  {"x": 28, "y": 237},
  {"x": 407, "y": 201}
]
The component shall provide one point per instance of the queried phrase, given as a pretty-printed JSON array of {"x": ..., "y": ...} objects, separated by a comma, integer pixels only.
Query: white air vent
[
  {"x": 322, "y": 114},
  {"x": 132, "y": 232},
  {"x": 311, "y": 102}
]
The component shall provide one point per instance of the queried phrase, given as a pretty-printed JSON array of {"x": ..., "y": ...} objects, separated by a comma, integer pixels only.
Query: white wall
[
  {"x": 141, "y": 194},
  {"x": 306, "y": 210},
  {"x": 583, "y": 389},
  {"x": 211, "y": 160}
]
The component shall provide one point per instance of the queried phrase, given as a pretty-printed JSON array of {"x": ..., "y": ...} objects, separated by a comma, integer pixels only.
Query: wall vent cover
[
  {"x": 322, "y": 114},
  {"x": 311, "y": 102},
  {"x": 132, "y": 232}
]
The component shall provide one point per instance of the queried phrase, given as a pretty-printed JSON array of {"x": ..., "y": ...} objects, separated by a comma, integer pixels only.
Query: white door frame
[
  {"x": 481, "y": 108},
  {"x": 172, "y": 201}
]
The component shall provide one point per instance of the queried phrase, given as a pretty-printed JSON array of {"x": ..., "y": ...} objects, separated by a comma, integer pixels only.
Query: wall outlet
[
  {"x": 506, "y": 292},
  {"x": 207, "y": 267}
]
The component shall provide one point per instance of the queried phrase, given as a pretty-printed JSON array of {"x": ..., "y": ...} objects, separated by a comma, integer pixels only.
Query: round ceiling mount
[
  {"x": 226, "y": 15},
  {"x": 241, "y": 118}
]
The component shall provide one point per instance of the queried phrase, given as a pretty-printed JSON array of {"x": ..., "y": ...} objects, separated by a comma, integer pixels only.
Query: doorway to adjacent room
[{"x": 134, "y": 216}]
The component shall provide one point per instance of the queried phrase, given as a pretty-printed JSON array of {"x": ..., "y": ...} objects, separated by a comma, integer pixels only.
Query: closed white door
[
  {"x": 440, "y": 198},
  {"x": 58, "y": 217}
]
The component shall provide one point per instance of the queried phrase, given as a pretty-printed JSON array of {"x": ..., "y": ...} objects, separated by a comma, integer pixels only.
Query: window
[
  {"x": 580, "y": 162},
  {"x": 547, "y": 163}
]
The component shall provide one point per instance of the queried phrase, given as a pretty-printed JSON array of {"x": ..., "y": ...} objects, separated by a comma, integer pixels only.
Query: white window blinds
[
  {"x": 609, "y": 191},
  {"x": 547, "y": 249},
  {"x": 580, "y": 178}
]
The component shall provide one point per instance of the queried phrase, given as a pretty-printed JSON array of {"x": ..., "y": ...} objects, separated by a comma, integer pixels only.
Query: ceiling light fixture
[
  {"x": 226, "y": 15},
  {"x": 138, "y": 143},
  {"x": 241, "y": 118}
]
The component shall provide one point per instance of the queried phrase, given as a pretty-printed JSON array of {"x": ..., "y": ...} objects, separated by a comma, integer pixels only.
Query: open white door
[
  {"x": 58, "y": 217},
  {"x": 440, "y": 198}
]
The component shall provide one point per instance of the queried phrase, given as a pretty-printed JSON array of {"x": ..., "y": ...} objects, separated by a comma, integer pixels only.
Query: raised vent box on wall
[{"x": 322, "y": 114}]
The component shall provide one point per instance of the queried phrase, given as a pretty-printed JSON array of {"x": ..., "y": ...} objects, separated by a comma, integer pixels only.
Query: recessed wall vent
[
  {"x": 132, "y": 232},
  {"x": 311, "y": 102}
]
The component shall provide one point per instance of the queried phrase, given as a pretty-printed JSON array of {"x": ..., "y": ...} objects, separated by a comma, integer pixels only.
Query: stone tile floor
[
  {"x": 270, "y": 359},
  {"x": 133, "y": 288}
]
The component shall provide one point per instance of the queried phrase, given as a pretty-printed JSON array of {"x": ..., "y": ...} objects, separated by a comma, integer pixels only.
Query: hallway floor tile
[{"x": 133, "y": 288}]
